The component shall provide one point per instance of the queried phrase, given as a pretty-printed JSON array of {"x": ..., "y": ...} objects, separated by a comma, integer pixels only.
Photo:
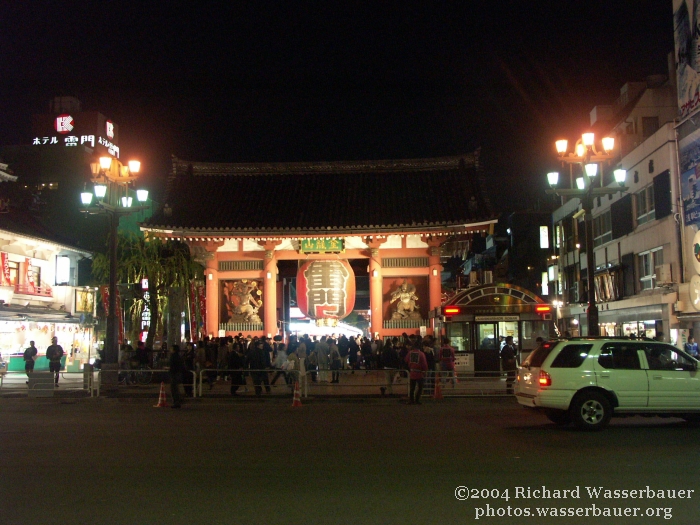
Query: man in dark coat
[
  {"x": 30, "y": 354},
  {"x": 54, "y": 353},
  {"x": 236, "y": 362},
  {"x": 188, "y": 376},
  {"x": 508, "y": 363},
  {"x": 258, "y": 360},
  {"x": 177, "y": 369}
]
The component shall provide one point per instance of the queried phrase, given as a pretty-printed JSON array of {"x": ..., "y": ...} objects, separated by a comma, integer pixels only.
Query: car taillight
[{"x": 545, "y": 379}]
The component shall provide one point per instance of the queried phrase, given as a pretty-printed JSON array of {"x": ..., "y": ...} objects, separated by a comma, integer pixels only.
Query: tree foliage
[{"x": 165, "y": 263}]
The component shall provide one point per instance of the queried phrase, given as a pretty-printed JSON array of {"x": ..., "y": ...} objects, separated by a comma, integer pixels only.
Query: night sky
[{"x": 291, "y": 81}]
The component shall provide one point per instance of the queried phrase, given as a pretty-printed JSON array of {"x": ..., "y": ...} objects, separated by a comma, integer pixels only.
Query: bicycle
[{"x": 141, "y": 375}]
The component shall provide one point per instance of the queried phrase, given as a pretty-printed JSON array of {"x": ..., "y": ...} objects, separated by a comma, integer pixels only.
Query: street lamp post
[
  {"x": 588, "y": 157},
  {"x": 111, "y": 180}
]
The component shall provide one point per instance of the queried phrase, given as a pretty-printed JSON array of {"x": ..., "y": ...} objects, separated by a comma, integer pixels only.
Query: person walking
[
  {"x": 188, "y": 376},
  {"x": 293, "y": 367},
  {"x": 30, "y": 354},
  {"x": 142, "y": 356},
  {"x": 417, "y": 365},
  {"x": 258, "y": 360},
  {"x": 391, "y": 364},
  {"x": 353, "y": 354},
  {"x": 280, "y": 363},
  {"x": 54, "y": 353},
  {"x": 344, "y": 349},
  {"x": 366, "y": 351},
  {"x": 176, "y": 371},
  {"x": 200, "y": 363},
  {"x": 322, "y": 357},
  {"x": 336, "y": 362},
  {"x": 235, "y": 364},
  {"x": 222, "y": 358},
  {"x": 508, "y": 364},
  {"x": 447, "y": 361},
  {"x": 428, "y": 350}
]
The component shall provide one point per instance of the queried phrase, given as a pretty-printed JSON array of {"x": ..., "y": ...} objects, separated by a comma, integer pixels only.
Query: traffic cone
[
  {"x": 162, "y": 400},
  {"x": 437, "y": 391},
  {"x": 297, "y": 395}
]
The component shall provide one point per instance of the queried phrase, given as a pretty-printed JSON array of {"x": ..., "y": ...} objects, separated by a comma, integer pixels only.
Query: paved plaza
[{"x": 363, "y": 461}]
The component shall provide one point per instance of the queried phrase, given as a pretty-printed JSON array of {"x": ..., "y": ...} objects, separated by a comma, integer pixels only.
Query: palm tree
[{"x": 167, "y": 265}]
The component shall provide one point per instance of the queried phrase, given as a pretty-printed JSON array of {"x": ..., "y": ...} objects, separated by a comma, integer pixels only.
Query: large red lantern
[{"x": 326, "y": 289}]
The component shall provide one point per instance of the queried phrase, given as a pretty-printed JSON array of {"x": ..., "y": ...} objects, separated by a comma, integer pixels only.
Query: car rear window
[
  {"x": 619, "y": 355},
  {"x": 539, "y": 354},
  {"x": 571, "y": 356}
]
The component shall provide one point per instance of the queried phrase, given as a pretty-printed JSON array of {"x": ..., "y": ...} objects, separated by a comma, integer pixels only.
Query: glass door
[
  {"x": 487, "y": 336},
  {"x": 486, "y": 357}
]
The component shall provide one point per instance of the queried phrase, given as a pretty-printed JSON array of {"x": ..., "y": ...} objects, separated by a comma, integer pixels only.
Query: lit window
[
  {"x": 645, "y": 205},
  {"x": 648, "y": 261},
  {"x": 602, "y": 229}
]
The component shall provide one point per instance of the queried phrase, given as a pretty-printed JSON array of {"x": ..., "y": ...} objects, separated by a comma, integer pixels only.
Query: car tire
[
  {"x": 559, "y": 417},
  {"x": 590, "y": 411}
]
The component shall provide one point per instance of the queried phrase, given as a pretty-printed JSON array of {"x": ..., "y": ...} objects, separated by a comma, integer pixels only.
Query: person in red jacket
[{"x": 417, "y": 365}]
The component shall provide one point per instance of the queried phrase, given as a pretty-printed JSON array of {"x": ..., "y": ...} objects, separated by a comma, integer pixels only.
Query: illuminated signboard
[
  {"x": 71, "y": 130},
  {"x": 322, "y": 245},
  {"x": 63, "y": 124},
  {"x": 544, "y": 237}
]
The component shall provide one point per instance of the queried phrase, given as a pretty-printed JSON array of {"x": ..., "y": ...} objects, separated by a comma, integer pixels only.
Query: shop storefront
[{"x": 76, "y": 340}]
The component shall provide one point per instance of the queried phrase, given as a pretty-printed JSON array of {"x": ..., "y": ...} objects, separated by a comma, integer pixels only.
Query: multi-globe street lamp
[
  {"x": 587, "y": 155},
  {"x": 111, "y": 185}
]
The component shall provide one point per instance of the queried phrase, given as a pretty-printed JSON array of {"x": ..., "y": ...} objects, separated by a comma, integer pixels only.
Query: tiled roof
[
  {"x": 311, "y": 197},
  {"x": 22, "y": 223}
]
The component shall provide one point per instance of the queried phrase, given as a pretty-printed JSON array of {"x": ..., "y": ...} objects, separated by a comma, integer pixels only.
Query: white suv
[{"x": 588, "y": 380}]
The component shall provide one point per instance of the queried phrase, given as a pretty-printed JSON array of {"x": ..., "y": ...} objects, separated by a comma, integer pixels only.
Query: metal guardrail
[
  {"x": 202, "y": 375},
  {"x": 18, "y": 381},
  {"x": 466, "y": 384}
]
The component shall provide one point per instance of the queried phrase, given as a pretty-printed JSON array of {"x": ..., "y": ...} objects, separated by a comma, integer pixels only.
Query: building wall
[{"x": 656, "y": 155}]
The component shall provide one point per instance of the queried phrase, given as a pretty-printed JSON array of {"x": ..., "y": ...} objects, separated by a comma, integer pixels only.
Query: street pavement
[{"x": 362, "y": 461}]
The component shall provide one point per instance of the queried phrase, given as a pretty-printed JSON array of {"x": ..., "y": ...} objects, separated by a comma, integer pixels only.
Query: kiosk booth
[{"x": 477, "y": 319}]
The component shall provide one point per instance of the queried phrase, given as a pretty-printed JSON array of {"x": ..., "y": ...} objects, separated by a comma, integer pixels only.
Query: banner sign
[
  {"x": 6, "y": 270},
  {"x": 687, "y": 46},
  {"x": 202, "y": 300},
  {"x": 193, "y": 313},
  {"x": 104, "y": 290},
  {"x": 29, "y": 278},
  {"x": 689, "y": 150},
  {"x": 322, "y": 245}
]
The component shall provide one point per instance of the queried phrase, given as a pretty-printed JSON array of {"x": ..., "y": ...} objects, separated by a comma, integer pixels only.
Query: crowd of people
[{"x": 267, "y": 361}]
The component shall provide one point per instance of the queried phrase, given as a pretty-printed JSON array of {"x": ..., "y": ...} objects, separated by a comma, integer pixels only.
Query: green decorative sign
[{"x": 322, "y": 245}]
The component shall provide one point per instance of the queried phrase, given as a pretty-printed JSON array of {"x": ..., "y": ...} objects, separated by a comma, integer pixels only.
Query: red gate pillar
[
  {"x": 211, "y": 275},
  {"x": 205, "y": 252},
  {"x": 376, "y": 294},
  {"x": 270, "y": 289},
  {"x": 434, "y": 275}
]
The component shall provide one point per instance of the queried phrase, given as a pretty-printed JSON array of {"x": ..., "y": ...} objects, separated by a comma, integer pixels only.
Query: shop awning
[{"x": 39, "y": 314}]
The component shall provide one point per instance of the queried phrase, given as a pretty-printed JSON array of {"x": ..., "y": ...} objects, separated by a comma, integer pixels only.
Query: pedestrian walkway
[{"x": 352, "y": 384}]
